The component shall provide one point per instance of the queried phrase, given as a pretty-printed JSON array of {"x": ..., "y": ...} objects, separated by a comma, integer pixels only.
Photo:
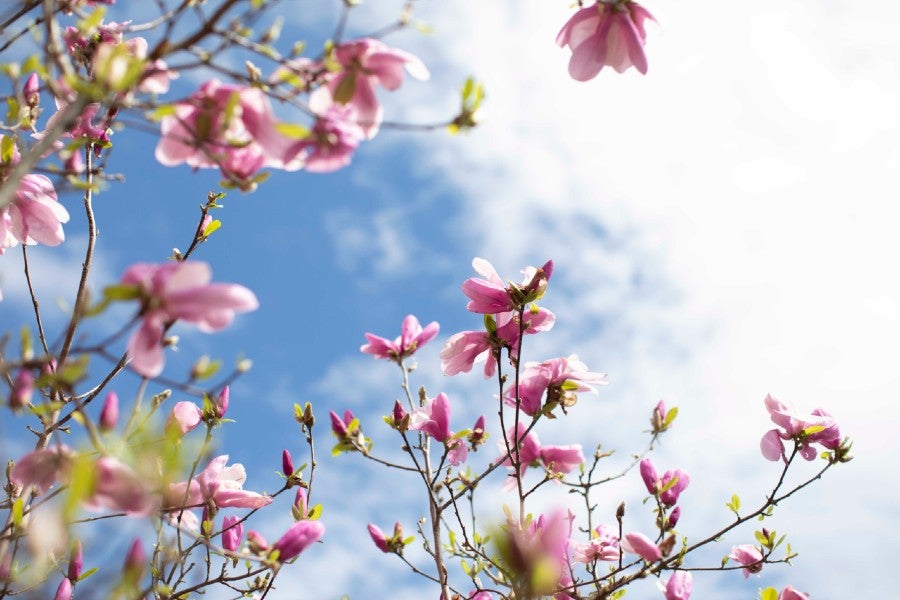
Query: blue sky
[{"x": 722, "y": 228}]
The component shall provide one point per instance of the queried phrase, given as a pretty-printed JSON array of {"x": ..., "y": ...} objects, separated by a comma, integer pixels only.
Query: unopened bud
[
  {"x": 135, "y": 564},
  {"x": 75, "y": 562},
  {"x": 23, "y": 386},
  {"x": 109, "y": 416},
  {"x": 257, "y": 543},
  {"x": 31, "y": 91},
  {"x": 667, "y": 545},
  {"x": 287, "y": 463},
  {"x": 620, "y": 511},
  {"x": 222, "y": 402}
]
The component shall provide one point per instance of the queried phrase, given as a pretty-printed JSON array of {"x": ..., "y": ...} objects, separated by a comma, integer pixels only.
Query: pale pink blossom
[
  {"x": 819, "y": 427},
  {"x": 64, "y": 591},
  {"x": 173, "y": 291},
  {"x": 232, "y": 532},
  {"x": 556, "y": 459},
  {"x": 412, "y": 337},
  {"x": 217, "y": 483},
  {"x": 433, "y": 419},
  {"x": 42, "y": 468},
  {"x": 184, "y": 417},
  {"x": 789, "y": 593},
  {"x": 604, "y": 545},
  {"x": 109, "y": 414},
  {"x": 605, "y": 34},
  {"x": 22, "y": 389},
  {"x": 492, "y": 296},
  {"x": 679, "y": 586},
  {"x": 298, "y": 538},
  {"x": 365, "y": 64},
  {"x": 559, "y": 378},
  {"x": 118, "y": 488},
  {"x": 331, "y": 142},
  {"x": 543, "y": 544},
  {"x": 749, "y": 556},
  {"x": 640, "y": 544}
]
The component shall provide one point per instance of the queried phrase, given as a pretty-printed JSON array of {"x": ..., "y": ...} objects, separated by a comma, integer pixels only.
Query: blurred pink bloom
[
  {"x": 22, "y": 389},
  {"x": 640, "y": 544},
  {"x": 64, "y": 591},
  {"x": 179, "y": 290},
  {"x": 749, "y": 556},
  {"x": 42, "y": 468},
  {"x": 558, "y": 459},
  {"x": 184, "y": 417},
  {"x": 222, "y": 401},
  {"x": 365, "y": 64},
  {"x": 118, "y": 488},
  {"x": 232, "y": 532},
  {"x": 135, "y": 563},
  {"x": 109, "y": 415},
  {"x": 76, "y": 562},
  {"x": 789, "y": 593},
  {"x": 542, "y": 544},
  {"x": 412, "y": 337},
  {"x": 605, "y": 34},
  {"x": 817, "y": 428},
  {"x": 457, "y": 452},
  {"x": 679, "y": 586},
  {"x": 332, "y": 141},
  {"x": 433, "y": 418},
  {"x": 298, "y": 538},
  {"x": 560, "y": 378}
]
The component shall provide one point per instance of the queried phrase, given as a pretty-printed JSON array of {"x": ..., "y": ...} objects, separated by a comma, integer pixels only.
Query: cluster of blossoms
[
  {"x": 819, "y": 427},
  {"x": 234, "y": 128}
]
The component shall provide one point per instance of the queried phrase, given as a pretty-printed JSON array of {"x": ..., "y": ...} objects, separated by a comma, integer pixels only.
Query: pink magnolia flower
[
  {"x": 34, "y": 216},
  {"x": 560, "y": 378},
  {"x": 381, "y": 540},
  {"x": 412, "y": 337},
  {"x": 217, "y": 483},
  {"x": 433, "y": 419},
  {"x": 298, "y": 538},
  {"x": 173, "y": 291},
  {"x": 640, "y": 544},
  {"x": 655, "y": 483},
  {"x": 605, "y": 34},
  {"x": 232, "y": 532},
  {"x": 22, "y": 389},
  {"x": 300, "y": 507},
  {"x": 118, "y": 488},
  {"x": 221, "y": 402},
  {"x": 789, "y": 593},
  {"x": 339, "y": 426},
  {"x": 64, "y": 591},
  {"x": 749, "y": 556},
  {"x": 76, "y": 562},
  {"x": 542, "y": 544},
  {"x": 365, "y": 64},
  {"x": 604, "y": 545},
  {"x": 42, "y": 468},
  {"x": 185, "y": 417},
  {"x": 332, "y": 141},
  {"x": 679, "y": 586},
  {"x": 492, "y": 296},
  {"x": 817, "y": 428},
  {"x": 463, "y": 349},
  {"x": 557, "y": 459}
]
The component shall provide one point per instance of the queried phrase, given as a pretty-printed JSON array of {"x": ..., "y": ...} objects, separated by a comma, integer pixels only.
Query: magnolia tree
[{"x": 99, "y": 458}]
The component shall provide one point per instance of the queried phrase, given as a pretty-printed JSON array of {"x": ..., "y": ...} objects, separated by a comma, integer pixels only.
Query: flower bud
[
  {"x": 257, "y": 543},
  {"x": 184, "y": 417},
  {"x": 232, "y": 532},
  {"x": 298, "y": 538},
  {"x": 64, "y": 591},
  {"x": 109, "y": 416},
  {"x": 222, "y": 402},
  {"x": 75, "y": 562},
  {"x": 31, "y": 91},
  {"x": 23, "y": 387},
  {"x": 673, "y": 518},
  {"x": 300, "y": 508},
  {"x": 287, "y": 463}
]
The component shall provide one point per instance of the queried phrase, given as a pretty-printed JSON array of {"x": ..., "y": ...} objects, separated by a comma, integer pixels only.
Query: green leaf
[
  {"x": 346, "y": 88},
  {"x": 89, "y": 24},
  {"x": 121, "y": 292},
  {"x": 670, "y": 416},
  {"x": 292, "y": 130},
  {"x": 761, "y": 538},
  {"x": 7, "y": 145},
  {"x": 166, "y": 110},
  {"x": 18, "y": 511},
  {"x": 87, "y": 573},
  {"x": 768, "y": 594},
  {"x": 315, "y": 512},
  {"x": 25, "y": 343}
]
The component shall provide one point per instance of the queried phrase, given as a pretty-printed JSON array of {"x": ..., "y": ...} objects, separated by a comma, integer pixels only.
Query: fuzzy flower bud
[
  {"x": 135, "y": 564},
  {"x": 222, "y": 402},
  {"x": 75, "y": 562},
  {"x": 64, "y": 591},
  {"x": 109, "y": 416},
  {"x": 23, "y": 387}
]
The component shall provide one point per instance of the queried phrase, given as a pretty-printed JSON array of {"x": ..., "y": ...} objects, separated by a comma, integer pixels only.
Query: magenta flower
[
  {"x": 339, "y": 426},
  {"x": 287, "y": 463},
  {"x": 118, "y": 488},
  {"x": 605, "y": 34},
  {"x": 42, "y": 468},
  {"x": 222, "y": 401},
  {"x": 173, "y": 291},
  {"x": 64, "y": 591},
  {"x": 655, "y": 483},
  {"x": 332, "y": 141},
  {"x": 679, "y": 586},
  {"x": 604, "y": 545},
  {"x": 232, "y": 532},
  {"x": 76, "y": 562},
  {"x": 556, "y": 459},
  {"x": 640, "y": 544},
  {"x": 184, "y": 417},
  {"x": 412, "y": 337},
  {"x": 559, "y": 378},
  {"x": 491, "y": 296},
  {"x": 749, "y": 556},
  {"x": 365, "y": 64},
  {"x": 109, "y": 414},
  {"x": 789, "y": 593},
  {"x": 433, "y": 419},
  {"x": 298, "y": 538},
  {"x": 135, "y": 563},
  {"x": 816, "y": 428},
  {"x": 379, "y": 538},
  {"x": 219, "y": 484}
]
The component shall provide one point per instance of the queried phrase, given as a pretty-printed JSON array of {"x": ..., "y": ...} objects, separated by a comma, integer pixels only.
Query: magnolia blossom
[
  {"x": 332, "y": 141},
  {"x": 232, "y": 532},
  {"x": 412, "y": 337},
  {"x": 749, "y": 556},
  {"x": 543, "y": 544},
  {"x": 463, "y": 349},
  {"x": 64, "y": 591},
  {"x": 817, "y": 428},
  {"x": 433, "y": 419},
  {"x": 607, "y": 33},
  {"x": 178, "y": 290},
  {"x": 217, "y": 483},
  {"x": 42, "y": 468},
  {"x": 118, "y": 488},
  {"x": 365, "y": 64},
  {"x": 556, "y": 459},
  {"x": 655, "y": 483},
  {"x": 604, "y": 545},
  {"x": 560, "y": 378},
  {"x": 34, "y": 216},
  {"x": 385, "y": 543},
  {"x": 679, "y": 586},
  {"x": 185, "y": 417},
  {"x": 640, "y": 544},
  {"x": 298, "y": 538},
  {"x": 789, "y": 593},
  {"x": 491, "y": 296},
  {"x": 109, "y": 414}
]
